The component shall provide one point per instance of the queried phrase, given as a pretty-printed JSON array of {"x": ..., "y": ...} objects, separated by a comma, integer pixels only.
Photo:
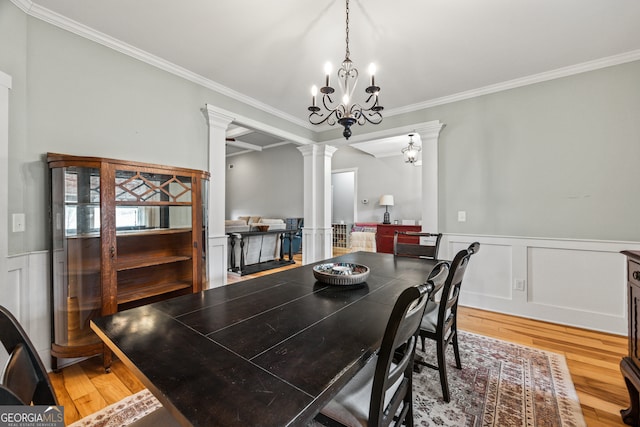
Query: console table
[
  {"x": 385, "y": 232},
  {"x": 630, "y": 365},
  {"x": 264, "y": 260}
]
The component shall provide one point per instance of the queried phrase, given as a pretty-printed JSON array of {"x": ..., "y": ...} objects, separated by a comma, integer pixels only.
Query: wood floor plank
[
  {"x": 71, "y": 414},
  {"x": 89, "y": 403},
  {"x": 111, "y": 388},
  {"x": 76, "y": 382},
  {"x": 126, "y": 377}
]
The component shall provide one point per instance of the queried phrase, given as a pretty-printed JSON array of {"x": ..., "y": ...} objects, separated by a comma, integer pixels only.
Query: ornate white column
[
  {"x": 5, "y": 85},
  {"x": 316, "y": 234},
  {"x": 217, "y": 244},
  {"x": 429, "y": 133}
]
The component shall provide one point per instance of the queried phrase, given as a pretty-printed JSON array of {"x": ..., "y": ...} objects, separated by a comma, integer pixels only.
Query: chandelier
[
  {"x": 347, "y": 112},
  {"x": 410, "y": 152}
]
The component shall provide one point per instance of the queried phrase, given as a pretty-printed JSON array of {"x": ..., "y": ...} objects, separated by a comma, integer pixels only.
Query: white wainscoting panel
[
  {"x": 573, "y": 282},
  {"x": 490, "y": 272},
  {"x": 217, "y": 261},
  {"x": 561, "y": 277},
  {"x": 27, "y": 296}
]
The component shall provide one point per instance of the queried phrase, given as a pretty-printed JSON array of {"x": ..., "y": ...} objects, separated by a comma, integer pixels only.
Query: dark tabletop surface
[{"x": 270, "y": 351}]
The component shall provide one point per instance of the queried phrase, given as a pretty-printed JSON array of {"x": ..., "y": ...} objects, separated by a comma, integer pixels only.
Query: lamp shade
[{"x": 386, "y": 200}]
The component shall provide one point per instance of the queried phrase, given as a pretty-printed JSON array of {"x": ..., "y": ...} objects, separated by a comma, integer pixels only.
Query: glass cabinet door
[{"x": 76, "y": 254}]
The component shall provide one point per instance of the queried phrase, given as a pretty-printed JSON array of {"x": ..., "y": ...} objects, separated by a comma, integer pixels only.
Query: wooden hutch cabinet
[
  {"x": 630, "y": 365},
  {"x": 124, "y": 234}
]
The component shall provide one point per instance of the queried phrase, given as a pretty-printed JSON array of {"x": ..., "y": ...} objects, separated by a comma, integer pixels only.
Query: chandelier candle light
[{"x": 347, "y": 112}]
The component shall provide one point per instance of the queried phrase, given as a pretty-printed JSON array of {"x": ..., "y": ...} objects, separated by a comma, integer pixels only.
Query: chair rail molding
[{"x": 571, "y": 282}]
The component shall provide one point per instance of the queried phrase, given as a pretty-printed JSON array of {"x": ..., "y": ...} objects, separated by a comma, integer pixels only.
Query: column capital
[
  {"x": 317, "y": 149},
  {"x": 430, "y": 130},
  {"x": 216, "y": 118}
]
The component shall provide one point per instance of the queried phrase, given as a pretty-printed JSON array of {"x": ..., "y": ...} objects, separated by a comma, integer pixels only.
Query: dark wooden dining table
[{"x": 269, "y": 351}]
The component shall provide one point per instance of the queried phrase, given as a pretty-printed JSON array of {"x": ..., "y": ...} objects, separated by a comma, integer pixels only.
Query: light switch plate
[{"x": 18, "y": 222}]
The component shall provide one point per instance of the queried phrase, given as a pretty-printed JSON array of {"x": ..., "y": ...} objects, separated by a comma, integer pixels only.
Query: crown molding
[
  {"x": 44, "y": 14},
  {"x": 60, "y": 21},
  {"x": 24, "y": 5},
  {"x": 523, "y": 81}
]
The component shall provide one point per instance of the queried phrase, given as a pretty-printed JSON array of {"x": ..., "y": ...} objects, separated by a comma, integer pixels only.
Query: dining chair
[
  {"x": 416, "y": 250},
  {"x": 381, "y": 392},
  {"x": 439, "y": 322},
  {"x": 24, "y": 380}
]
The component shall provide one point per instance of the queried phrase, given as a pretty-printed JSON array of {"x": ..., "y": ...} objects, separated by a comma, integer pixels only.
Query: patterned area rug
[
  {"x": 121, "y": 413},
  {"x": 500, "y": 384}
]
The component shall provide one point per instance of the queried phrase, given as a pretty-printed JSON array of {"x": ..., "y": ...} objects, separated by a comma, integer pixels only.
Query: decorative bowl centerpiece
[
  {"x": 262, "y": 227},
  {"x": 341, "y": 273}
]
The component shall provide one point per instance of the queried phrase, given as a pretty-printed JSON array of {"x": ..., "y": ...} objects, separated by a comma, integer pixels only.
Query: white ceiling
[{"x": 426, "y": 51}]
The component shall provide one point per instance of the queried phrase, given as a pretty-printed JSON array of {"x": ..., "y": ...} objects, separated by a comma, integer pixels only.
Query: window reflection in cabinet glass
[
  {"x": 82, "y": 200},
  {"x": 152, "y": 217}
]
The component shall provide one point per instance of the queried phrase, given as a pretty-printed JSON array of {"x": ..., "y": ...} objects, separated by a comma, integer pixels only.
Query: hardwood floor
[{"x": 592, "y": 357}]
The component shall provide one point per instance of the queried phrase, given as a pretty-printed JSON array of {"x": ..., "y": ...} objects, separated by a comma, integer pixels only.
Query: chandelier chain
[{"x": 347, "y": 54}]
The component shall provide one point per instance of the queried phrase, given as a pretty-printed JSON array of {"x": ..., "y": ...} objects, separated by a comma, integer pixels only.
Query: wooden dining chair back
[
  {"x": 24, "y": 380},
  {"x": 416, "y": 250},
  {"x": 439, "y": 322},
  {"x": 381, "y": 393}
]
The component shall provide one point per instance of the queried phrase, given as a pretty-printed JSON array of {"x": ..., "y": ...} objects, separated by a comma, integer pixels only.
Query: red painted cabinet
[{"x": 385, "y": 232}]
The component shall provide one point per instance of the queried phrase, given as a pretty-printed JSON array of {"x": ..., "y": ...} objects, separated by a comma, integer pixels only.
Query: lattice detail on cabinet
[{"x": 144, "y": 187}]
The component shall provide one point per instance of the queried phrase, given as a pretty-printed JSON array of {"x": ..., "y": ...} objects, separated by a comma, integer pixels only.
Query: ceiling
[{"x": 426, "y": 51}]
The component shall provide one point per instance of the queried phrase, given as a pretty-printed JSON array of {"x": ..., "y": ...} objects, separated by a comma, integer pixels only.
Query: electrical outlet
[
  {"x": 520, "y": 284},
  {"x": 462, "y": 216}
]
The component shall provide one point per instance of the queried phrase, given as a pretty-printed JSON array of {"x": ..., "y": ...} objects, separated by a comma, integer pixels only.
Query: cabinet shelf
[
  {"x": 131, "y": 233},
  {"x": 127, "y": 295},
  {"x": 141, "y": 262},
  {"x": 151, "y": 231}
]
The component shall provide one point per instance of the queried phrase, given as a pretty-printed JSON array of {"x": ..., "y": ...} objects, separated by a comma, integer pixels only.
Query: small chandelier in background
[
  {"x": 410, "y": 152},
  {"x": 347, "y": 112}
]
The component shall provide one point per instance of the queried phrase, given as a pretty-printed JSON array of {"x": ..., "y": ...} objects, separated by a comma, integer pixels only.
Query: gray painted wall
[
  {"x": 267, "y": 184},
  {"x": 73, "y": 96},
  {"x": 388, "y": 175},
  {"x": 554, "y": 159}
]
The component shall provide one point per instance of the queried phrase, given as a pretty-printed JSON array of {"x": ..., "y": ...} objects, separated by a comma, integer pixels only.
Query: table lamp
[{"x": 386, "y": 201}]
